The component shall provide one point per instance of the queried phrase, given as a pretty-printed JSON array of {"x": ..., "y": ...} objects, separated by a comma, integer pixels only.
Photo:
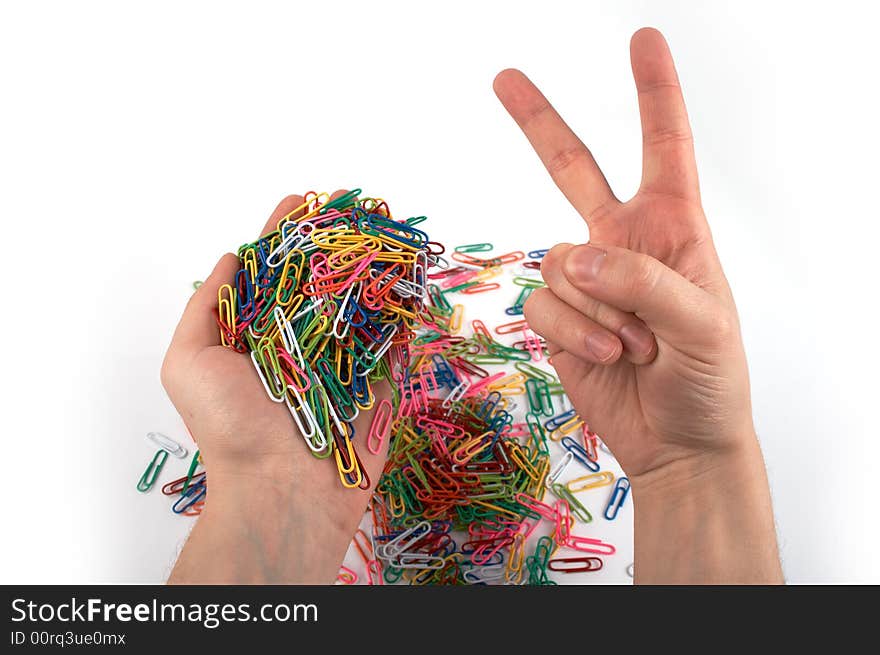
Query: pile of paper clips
[
  {"x": 324, "y": 305},
  {"x": 464, "y": 485}
]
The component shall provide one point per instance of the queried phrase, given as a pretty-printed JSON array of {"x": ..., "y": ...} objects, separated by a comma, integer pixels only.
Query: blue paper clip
[
  {"x": 190, "y": 497},
  {"x": 580, "y": 454},
  {"x": 558, "y": 421},
  {"x": 538, "y": 254},
  {"x": 618, "y": 496},
  {"x": 489, "y": 405}
]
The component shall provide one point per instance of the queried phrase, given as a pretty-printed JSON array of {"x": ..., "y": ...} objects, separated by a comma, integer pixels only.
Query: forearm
[
  {"x": 706, "y": 522},
  {"x": 258, "y": 534}
]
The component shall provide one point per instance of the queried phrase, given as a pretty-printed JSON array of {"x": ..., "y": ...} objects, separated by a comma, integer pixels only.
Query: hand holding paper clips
[
  {"x": 267, "y": 491},
  {"x": 645, "y": 338}
]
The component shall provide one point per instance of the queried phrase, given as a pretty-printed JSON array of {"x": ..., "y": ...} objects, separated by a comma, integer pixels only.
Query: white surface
[{"x": 137, "y": 145}]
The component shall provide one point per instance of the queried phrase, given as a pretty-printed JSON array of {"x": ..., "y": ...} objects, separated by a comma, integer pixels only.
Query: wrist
[
  {"x": 698, "y": 473},
  {"x": 266, "y": 519},
  {"x": 706, "y": 518}
]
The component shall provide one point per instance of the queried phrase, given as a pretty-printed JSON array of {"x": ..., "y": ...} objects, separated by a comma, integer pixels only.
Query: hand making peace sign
[{"x": 641, "y": 322}]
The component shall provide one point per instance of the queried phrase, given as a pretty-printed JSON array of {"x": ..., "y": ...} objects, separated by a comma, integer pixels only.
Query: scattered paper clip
[
  {"x": 151, "y": 474},
  {"x": 575, "y": 564},
  {"x": 618, "y": 496},
  {"x": 167, "y": 443},
  {"x": 590, "y": 481}
]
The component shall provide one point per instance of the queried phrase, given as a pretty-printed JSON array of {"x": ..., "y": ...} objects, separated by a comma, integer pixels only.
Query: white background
[{"x": 138, "y": 144}]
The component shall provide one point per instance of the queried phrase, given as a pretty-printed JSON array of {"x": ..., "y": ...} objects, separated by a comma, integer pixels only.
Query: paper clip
[
  {"x": 577, "y": 508},
  {"x": 539, "y": 397},
  {"x": 474, "y": 247},
  {"x": 403, "y": 541},
  {"x": 190, "y": 478},
  {"x": 580, "y": 454},
  {"x": 167, "y": 443},
  {"x": 515, "y": 560},
  {"x": 419, "y": 561},
  {"x": 618, "y": 496},
  {"x": 590, "y": 441},
  {"x": 148, "y": 479},
  {"x": 563, "y": 564},
  {"x": 557, "y": 470},
  {"x": 346, "y": 576},
  {"x": 588, "y": 545},
  {"x": 541, "y": 509},
  {"x": 630, "y": 570},
  {"x": 178, "y": 486},
  {"x": 380, "y": 427},
  {"x": 529, "y": 282},
  {"x": 190, "y": 497},
  {"x": 563, "y": 522},
  {"x": 374, "y": 573},
  {"x": 485, "y": 574},
  {"x": 590, "y": 481},
  {"x": 560, "y": 420},
  {"x": 510, "y": 328},
  {"x": 481, "y": 288},
  {"x": 535, "y": 372}
]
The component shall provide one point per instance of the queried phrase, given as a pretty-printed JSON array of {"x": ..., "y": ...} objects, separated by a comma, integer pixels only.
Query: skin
[
  {"x": 645, "y": 339},
  {"x": 277, "y": 514},
  {"x": 644, "y": 335}
]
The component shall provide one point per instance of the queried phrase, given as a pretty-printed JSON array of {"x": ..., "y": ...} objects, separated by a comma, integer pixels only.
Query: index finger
[{"x": 569, "y": 162}]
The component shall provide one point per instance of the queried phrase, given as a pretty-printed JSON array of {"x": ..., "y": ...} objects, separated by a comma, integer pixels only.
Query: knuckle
[
  {"x": 645, "y": 277},
  {"x": 599, "y": 311},
  {"x": 534, "y": 114},
  {"x": 663, "y": 136},
  {"x": 565, "y": 158}
]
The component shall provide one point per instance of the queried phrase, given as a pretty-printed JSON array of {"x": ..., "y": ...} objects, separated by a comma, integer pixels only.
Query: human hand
[
  {"x": 644, "y": 335},
  {"x": 641, "y": 322},
  {"x": 263, "y": 480}
]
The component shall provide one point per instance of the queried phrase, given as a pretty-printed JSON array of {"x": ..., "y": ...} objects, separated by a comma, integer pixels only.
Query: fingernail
[
  {"x": 602, "y": 345},
  {"x": 585, "y": 261},
  {"x": 637, "y": 339}
]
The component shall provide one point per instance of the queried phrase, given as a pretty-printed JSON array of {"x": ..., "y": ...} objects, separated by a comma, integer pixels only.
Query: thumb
[
  {"x": 198, "y": 329},
  {"x": 672, "y": 306}
]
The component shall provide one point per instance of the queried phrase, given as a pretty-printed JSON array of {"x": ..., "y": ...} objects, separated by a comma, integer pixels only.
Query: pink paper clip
[
  {"x": 477, "y": 386},
  {"x": 374, "y": 573},
  {"x": 380, "y": 427},
  {"x": 346, "y": 575},
  {"x": 588, "y": 545},
  {"x": 533, "y": 345},
  {"x": 544, "y": 510},
  {"x": 563, "y": 522}
]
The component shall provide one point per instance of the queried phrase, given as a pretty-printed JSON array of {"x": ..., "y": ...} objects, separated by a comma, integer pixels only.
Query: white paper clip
[
  {"x": 167, "y": 444},
  {"x": 557, "y": 470}
]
